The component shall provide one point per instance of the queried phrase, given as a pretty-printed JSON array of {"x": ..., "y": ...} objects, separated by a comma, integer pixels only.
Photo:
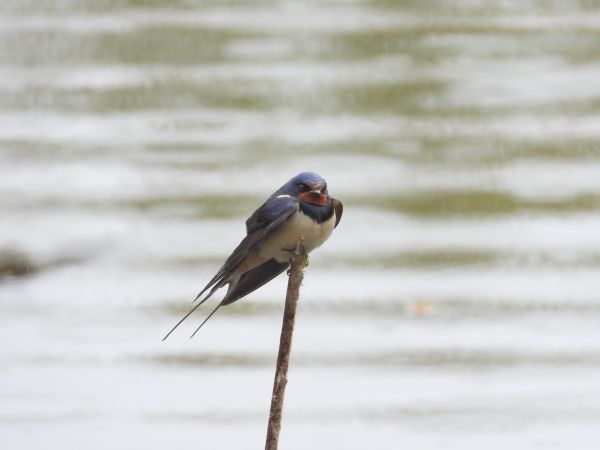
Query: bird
[{"x": 301, "y": 207}]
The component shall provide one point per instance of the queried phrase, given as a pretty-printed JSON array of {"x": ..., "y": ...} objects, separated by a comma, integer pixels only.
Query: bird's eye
[{"x": 303, "y": 187}]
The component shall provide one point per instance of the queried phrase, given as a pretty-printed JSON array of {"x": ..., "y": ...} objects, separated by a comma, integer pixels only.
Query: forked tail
[{"x": 212, "y": 291}]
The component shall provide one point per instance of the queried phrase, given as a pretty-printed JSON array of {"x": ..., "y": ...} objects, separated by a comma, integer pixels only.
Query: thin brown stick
[{"x": 298, "y": 263}]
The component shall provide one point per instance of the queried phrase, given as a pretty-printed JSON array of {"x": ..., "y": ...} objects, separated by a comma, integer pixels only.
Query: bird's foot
[{"x": 298, "y": 254}]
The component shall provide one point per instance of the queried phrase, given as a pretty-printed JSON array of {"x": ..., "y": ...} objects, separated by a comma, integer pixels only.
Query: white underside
[{"x": 279, "y": 243}]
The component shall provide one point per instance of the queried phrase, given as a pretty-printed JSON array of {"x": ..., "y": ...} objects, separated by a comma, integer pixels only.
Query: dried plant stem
[{"x": 298, "y": 261}]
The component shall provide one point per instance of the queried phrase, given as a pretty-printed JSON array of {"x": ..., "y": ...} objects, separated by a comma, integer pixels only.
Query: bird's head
[{"x": 308, "y": 187}]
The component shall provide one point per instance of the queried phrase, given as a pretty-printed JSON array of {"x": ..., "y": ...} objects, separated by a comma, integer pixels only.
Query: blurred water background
[{"x": 457, "y": 306}]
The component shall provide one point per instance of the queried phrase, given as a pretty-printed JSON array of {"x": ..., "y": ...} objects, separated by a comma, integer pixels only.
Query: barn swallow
[{"x": 300, "y": 208}]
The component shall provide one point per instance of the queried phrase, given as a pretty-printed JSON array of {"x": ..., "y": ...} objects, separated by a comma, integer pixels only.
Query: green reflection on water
[
  {"x": 459, "y": 359},
  {"x": 477, "y": 203}
]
